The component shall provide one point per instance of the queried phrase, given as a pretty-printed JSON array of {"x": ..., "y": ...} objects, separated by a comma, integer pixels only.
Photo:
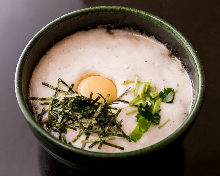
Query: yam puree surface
[{"x": 120, "y": 55}]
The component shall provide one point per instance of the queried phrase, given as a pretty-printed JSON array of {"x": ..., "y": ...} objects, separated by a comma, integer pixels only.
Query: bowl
[{"x": 120, "y": 18}]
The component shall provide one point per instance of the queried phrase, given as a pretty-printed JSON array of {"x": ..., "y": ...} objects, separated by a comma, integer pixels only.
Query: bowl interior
[{"x": 120, "y": 18}]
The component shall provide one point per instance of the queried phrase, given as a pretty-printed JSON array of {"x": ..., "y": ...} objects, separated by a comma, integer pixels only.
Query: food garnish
[
  {"x": 148, "y": 106},
  {"x": 164, "y": 123},
  {"x": 67, "y": 109}
]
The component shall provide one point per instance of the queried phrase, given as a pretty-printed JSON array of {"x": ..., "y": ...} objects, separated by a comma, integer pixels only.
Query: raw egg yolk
[{"x": 98, "y": 84}]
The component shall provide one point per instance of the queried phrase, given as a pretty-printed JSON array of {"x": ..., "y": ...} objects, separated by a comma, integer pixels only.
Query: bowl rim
[{"x": 144, "y": 15}]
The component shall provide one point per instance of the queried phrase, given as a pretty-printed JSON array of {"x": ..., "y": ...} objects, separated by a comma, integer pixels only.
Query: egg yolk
[{"x": 98, "y": 84}]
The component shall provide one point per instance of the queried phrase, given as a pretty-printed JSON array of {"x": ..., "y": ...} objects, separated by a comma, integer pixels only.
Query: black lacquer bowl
[{"x": 119, "y": 17}]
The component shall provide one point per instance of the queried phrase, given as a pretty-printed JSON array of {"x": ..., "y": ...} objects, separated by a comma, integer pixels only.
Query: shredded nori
[{"x": 67, "y": 109}]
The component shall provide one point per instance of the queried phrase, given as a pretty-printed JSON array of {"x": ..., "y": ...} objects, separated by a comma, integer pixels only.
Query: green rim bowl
[{"x": 85, "y": 19}]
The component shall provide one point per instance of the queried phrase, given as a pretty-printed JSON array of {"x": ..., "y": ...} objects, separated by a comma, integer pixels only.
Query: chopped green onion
[
  {"x": 143, "y": 90},
  {"x": 156, "y": 106},
  {"x": 131, "y": 112},
  {"x": 154, "y": 95},
  {"x": 135, "y": 101},
  {"x": 164, "y": 123},
  {"x": 127, "y": 82},
  {"x": 136, "y": 86}
]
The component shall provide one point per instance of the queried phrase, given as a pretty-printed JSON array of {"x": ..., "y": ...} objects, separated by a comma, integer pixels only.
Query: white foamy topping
[{"x": 119, "y": 57}]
